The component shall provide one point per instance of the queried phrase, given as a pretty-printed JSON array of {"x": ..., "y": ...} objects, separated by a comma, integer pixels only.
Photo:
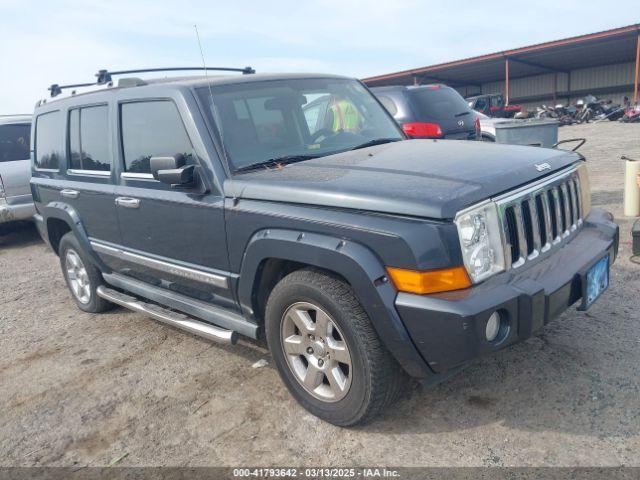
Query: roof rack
[
  {"x": 56, "y": 89},
  {"x": 104, "y": 76}
]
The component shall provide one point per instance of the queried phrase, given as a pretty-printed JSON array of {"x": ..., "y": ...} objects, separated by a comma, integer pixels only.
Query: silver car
[{"x": 15, "y": 168}]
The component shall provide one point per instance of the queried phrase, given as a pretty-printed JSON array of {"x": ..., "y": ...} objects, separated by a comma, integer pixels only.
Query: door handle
[
  {"x": 128, "y": 202},
  {"x": 68, "y": 193}
]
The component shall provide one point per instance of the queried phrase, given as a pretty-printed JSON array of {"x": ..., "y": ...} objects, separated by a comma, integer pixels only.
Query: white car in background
[
  {"x": 16, "y": 202},
  {"x": 488, "y": 127}
]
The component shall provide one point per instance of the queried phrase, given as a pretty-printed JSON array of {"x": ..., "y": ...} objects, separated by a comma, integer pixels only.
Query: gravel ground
[{"x": 81, "y": 389}]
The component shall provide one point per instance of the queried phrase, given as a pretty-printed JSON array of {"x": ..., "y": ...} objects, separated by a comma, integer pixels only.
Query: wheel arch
[
  {"x": 272, "y": 249},
  {"x": 59, "y": 219},
  {"x": 56, "y": 229}
]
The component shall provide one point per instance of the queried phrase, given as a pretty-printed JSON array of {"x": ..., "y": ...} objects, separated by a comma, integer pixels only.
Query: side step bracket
[{"x": 169, "y": 317}]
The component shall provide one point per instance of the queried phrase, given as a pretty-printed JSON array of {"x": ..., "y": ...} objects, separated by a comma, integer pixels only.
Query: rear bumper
[
  {"x": 471, "y": 135},
  {"x": 448, "y": 328},
  {"x": 16, "y": 208}
]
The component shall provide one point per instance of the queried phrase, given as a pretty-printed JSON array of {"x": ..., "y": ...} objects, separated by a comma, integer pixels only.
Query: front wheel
[{"x": 326, "y": 350}]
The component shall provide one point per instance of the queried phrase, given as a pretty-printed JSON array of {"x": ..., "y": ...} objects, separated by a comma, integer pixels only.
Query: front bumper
[{"x": 448, "y": 328}]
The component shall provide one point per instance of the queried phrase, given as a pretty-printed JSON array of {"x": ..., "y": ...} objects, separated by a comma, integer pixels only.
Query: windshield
[
  {"x": 306, "y": 118},
  {"x": 496, "y": 101},
  {"x": 438, "y": 102}
]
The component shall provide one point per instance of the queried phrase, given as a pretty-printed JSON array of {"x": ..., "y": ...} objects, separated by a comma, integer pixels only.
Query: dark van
[{"x": 430, "y": 111}]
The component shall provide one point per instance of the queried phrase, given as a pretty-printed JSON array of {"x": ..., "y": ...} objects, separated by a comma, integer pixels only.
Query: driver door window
[{"x": 152, "y": 128}]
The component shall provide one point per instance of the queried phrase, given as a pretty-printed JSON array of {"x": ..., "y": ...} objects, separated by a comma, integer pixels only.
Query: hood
[{"x": 424, "y": 178}]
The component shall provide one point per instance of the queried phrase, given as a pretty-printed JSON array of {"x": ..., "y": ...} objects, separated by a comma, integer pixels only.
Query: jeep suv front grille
[{"x": 540, "y": 217}]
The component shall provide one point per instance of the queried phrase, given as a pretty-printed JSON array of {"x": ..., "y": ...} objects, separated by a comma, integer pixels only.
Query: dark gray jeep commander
[{"x": 292, "y": 208}]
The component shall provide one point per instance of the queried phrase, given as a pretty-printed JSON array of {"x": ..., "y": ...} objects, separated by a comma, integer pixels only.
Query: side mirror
[{"x": 172, "y": 170}]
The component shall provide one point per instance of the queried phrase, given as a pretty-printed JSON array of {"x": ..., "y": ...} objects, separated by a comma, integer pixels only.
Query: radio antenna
[{"x": 206, "y": 76}]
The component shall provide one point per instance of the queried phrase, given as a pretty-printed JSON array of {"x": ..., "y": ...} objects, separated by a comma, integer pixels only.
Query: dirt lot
[{"x": 83, "y": 389}]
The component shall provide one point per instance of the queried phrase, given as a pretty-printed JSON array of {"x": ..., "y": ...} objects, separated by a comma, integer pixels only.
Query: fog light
[{"x": 492, "y": 329}]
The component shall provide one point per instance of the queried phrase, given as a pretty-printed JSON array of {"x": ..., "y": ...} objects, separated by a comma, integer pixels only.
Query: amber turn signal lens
[{"x": 430, "y": 281}]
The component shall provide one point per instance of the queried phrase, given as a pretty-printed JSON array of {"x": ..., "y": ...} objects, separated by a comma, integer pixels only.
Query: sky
[{"x": 68, "y": 41}]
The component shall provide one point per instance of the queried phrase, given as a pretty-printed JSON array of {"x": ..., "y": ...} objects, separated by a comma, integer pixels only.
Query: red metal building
[{"x": 604, "y": 64}]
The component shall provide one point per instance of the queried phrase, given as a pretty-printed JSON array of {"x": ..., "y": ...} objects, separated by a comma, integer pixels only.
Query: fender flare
[
  {"x": 362, "y": 269},
  {"x": 65, "y": 212}
]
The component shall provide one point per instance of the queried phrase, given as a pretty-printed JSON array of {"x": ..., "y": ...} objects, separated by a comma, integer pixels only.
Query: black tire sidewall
[
  {"x": 96, "y": 304},
  {"x": 348, "y": 409}
]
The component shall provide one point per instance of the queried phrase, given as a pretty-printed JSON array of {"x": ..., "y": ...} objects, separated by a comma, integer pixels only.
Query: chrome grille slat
[
  {"x": 546, "y": 214},
  {"x": 505, "y": 228},
  {"x": 564, "y": 199},
  {"x": 578, "y": 199},
  {"x": 555, "y": 191},
  {"x": 535, "y": 228},
  {"x": 537, "y": 219},
  {"x": 522, "y": 238},
  {"x": 574, "y": 203}
]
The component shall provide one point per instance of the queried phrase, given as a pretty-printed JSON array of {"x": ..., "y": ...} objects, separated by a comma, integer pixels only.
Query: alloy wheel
[
  {"x": 77, "y": 276},
  {"x": 316, "y": 352}
]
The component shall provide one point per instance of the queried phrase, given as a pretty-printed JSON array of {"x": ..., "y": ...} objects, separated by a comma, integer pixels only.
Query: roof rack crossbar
[
  {"x": 104, "y": 76},
  {"x": 56, "y": 89}
]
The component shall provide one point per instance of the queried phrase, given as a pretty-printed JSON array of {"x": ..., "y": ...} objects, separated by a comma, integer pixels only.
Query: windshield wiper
[
  {"x": 377, "y": 141},
  {"x": 275, "y": 162},
  {"x": 461, "y": 114}
]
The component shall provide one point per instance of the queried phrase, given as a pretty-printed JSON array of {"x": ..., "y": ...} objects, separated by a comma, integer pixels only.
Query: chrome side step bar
[{"x": 169, "y": 317}]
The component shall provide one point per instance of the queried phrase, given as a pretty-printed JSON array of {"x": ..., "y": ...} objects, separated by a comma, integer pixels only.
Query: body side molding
[{"x": 217, "y": 280}]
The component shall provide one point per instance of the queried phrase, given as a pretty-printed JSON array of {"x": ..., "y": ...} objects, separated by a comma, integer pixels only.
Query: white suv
[{"x": 15, "y": 168}]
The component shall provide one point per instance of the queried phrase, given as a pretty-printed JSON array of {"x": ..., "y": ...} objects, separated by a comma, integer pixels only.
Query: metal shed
[{"x": 605, "y": 63}]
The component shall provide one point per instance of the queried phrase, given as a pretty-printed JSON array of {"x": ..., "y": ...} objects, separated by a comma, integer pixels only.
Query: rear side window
[
  {"x": 14, "y": 142},
  {"x": 152, "y": 129},
  {"x": 48, "y": 144},
  {"x": 89, "y": 139},
  {"x": 438, "y": 102}
]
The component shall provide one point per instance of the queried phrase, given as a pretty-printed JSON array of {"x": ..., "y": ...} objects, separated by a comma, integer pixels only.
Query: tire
[
  {"x": 73, "y": 261},
  {"x": 362, "y": 387}
]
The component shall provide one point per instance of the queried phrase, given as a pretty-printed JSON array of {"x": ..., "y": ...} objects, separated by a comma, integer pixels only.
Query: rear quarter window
[
  {"x": 48, "y": 144},
  {"x": 14, "y": 142}
]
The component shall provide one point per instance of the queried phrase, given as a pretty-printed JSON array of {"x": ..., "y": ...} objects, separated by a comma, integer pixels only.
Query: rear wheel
[
  {"x": 326, "y": 350},
  {"x": 82, "y": 277}
]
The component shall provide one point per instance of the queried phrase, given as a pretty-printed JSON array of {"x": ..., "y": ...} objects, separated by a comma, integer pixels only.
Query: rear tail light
[
  {"x": 419, "y": 129},
  {"x": 478, "y": 128}
]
